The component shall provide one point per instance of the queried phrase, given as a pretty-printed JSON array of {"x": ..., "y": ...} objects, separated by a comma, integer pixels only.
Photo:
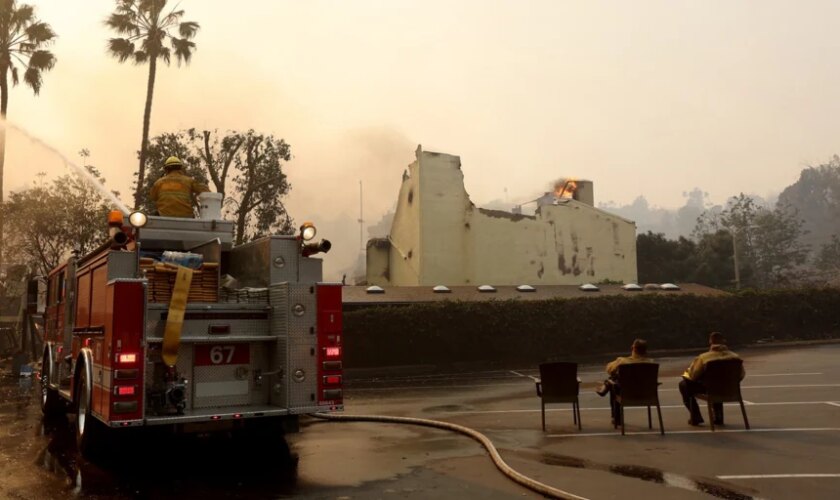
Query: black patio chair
[
  {"x": 559, "y": 383},
  {"x": 722, "y": 379},
  {"x": 639, "y": 386}
]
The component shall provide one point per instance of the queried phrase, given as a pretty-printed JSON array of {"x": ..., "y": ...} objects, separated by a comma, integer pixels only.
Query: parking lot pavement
[{"x": 792, "y": 450}]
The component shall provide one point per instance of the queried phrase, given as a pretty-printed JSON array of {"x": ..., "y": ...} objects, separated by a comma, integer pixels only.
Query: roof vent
[
  {"x": 486, "y": 289},
  {"x": 669, "y": 286},
  {"x": 441, "y": 289},
  {"x": 375, "y": 289},
  {"x": 631, "y": 287},
  {"x": 589, "y": 287},
  {"x": 525, "y": 288}
]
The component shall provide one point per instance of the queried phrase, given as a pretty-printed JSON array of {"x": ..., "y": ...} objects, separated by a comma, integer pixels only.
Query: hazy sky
[{"x": 642, "y": 97}]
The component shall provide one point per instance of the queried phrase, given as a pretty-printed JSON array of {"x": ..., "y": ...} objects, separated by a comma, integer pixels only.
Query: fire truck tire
[
  {"x": 51, "y": 403},
  {"x": 89, "y": 430}
]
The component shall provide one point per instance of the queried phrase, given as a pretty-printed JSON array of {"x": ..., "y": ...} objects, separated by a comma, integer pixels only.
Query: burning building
[{"x": 439, "y": 236}]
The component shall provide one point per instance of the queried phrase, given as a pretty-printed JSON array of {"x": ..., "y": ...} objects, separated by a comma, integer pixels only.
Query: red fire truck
[{"x": 129, "y": 344}]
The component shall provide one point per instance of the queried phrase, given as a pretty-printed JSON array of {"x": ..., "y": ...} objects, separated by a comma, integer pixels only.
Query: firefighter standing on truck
[{"x": 174, "y": 193}]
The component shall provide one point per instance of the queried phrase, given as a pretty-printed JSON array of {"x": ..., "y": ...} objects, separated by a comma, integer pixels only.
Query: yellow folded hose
[
  {"x": 175, "y": 318},
  {"x": 520, "y": 478}
]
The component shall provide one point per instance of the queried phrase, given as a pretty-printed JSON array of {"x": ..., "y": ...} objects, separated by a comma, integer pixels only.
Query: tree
[
  {"x": 816, "y": 196},
  {"x": 828, "y": 258},
  {"x": 661, "y": 260},
  {"x": 766, "y": 243},
  {"x": 23, "y": 38},
  {"x": 777, "y": 245},
  {"x": 246, "y": 167},
  {"x": 714, "y": 259},
  {"x": 146, "y": 22},
  {"x": 49, "y": 220}
]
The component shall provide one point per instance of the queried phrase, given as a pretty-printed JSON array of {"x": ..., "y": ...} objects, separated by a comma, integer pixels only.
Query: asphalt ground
[{"x": 792, "y": 450}]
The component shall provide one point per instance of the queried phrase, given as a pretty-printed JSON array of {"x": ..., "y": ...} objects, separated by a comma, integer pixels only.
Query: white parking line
[
  {"x": 664, "y": 407},
  {"x": 786, "y": 386},
  {"x": 535, "y": 379},
  {"x": 778, "y": 476},
  {"x": 699, "y": 431}
]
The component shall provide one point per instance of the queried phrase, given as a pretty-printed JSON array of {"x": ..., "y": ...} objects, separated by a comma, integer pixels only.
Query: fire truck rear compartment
[{"x": 263, "y": 360}]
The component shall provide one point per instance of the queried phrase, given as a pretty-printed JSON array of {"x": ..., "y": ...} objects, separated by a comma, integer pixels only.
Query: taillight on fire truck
[
  {"x": 126, "y": 402},
  {"x": 127, "y": 358},
  {"x": 329, "y": 341},
  {"x": 125, "y": 390}
]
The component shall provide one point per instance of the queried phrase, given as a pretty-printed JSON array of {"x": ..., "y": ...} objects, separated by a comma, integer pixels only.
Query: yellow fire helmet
[{"x": 173, "y": 162}]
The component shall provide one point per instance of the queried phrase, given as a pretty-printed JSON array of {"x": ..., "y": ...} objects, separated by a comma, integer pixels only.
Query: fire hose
[{"x": 500, "y": 464}]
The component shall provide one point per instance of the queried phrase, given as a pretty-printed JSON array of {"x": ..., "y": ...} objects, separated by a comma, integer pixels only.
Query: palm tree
[
  {"x": 148, "y": 24},
  {"x": 22, "y": 40}
]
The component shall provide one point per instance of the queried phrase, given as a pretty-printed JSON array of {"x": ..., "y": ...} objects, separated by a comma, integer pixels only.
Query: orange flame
[{"x": 565, "y": 188}]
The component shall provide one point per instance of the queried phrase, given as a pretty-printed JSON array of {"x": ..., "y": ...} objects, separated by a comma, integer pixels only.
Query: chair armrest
[{"x": 539, "y": 387}]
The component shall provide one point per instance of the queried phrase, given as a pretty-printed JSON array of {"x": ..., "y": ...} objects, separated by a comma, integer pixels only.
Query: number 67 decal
[{"x": 222, "y": 354}]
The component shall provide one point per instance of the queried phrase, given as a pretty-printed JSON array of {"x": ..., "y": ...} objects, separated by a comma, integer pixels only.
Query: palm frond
[
  {"x": 140, "y": 57},
  {"x": 120, "y": 48},
  {"x": 172, "y": 18},
  {"x": 32, "y": 77},
  {"x": 14, "y": 70},
  {"x": 40, "y": 32},
  {"x": 20, "y": 16},
  {"x": 188, "y": 29},
  {"x": 125, "y": 5},
  {"x": 183, "y": 49},
  {"x": 123, "y": 23},
  {"x": 165, "y": 54},
  {"x": 151, "y": 5},
  {"x": 42, "y": 60}
]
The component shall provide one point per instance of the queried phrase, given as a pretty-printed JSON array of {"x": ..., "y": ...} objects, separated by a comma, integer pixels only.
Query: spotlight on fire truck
[
  {"x": 137, "y": 219},
  {"x": 307, "y": 231},
  {"x": 313, "y": 248}
]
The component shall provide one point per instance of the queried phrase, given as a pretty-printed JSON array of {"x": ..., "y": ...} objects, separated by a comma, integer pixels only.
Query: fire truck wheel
[
  {"x": 89, "y": 430},
  {"x": 51, "y": 403}
]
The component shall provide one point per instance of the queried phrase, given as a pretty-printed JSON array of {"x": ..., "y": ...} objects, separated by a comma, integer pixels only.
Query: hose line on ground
[{"x": 522, "y": 479}]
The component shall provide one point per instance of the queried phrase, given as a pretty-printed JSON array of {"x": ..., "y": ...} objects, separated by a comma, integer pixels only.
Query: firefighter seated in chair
[{"x": 174, "y": 193}]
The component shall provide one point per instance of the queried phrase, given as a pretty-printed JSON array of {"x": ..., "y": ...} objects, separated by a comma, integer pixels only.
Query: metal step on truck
[{"x": 170, "y": 324}]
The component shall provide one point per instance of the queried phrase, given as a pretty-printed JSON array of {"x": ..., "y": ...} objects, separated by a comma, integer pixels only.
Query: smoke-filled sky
[{"x": 643, "y": 97}]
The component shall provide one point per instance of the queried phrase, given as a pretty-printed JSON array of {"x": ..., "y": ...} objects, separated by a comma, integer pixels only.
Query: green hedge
[{"x": 532, "y": 331}]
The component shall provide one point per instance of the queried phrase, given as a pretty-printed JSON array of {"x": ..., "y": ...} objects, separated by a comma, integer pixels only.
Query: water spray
[{"x": 80, "y": 171}]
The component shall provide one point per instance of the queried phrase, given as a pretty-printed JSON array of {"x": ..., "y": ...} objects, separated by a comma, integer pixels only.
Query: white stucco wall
[
  {"x": 440, "y": 237},
  {"x": 405, "y": 253}
]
